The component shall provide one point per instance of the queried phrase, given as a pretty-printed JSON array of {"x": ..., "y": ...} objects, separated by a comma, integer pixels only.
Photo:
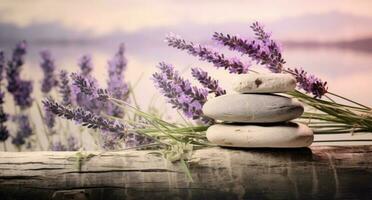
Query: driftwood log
[{"x": 217, "y": 173}]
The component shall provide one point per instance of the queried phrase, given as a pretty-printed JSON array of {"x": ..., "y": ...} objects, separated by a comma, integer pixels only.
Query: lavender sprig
[
  {"x": 259, "y": 31},
  {"x": 85, "y": 118},
  {"x": 20, "y": 89},
  {"x": 218, "y": 59},
  {"x": 49, "y": 119},
  {"x": 87, "y": 93},
  {"x": 207, "y": 81},
  {"x": 265, "y": 52},
  {"x": 58, "y": 146},
  {"x": 72, "y": 143},
  {"x": 48, "y": 67},
  {"x": 309, "y": 82},
  {"x": 22, "y": 96},
  {"x": 116, "y": 85},
  {"x": 88, "y": 86},
  {"x": 4, "y": 133},
  {"x": 14, "y": 66},
  {"x": 85, "y": 64},
  {"x": 65, "y": 88},
  {"x": 24, "y": 130},
  {"x": 2, "y": 65},
  {"x": 180, "y": 93}
]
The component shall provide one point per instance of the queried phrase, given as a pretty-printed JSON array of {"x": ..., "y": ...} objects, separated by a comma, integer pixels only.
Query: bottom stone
[{"x": 287, "y": 135}]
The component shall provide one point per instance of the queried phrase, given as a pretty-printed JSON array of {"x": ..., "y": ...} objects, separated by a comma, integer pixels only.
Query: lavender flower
[
  {"x": 72, "y": 143},
  {"x": 116, "y": 85},
  {"x": 20, "y": 89},
  {"x": 58, "y": 146},
  {"x": 24, "y": 130},
  {"x": 14, "y": 66},
  {"x": 48, "y": 68},
  {"x": 49, "y": 119},
  {"x": 2, "y": 64},
  {"x": 85, "y": 118},
  {"x": 111, "y": 140},
  {"x": 4, "y": 133},
  {"x": 219, "y": 60},
  {"x": 65, "y": 88},
  {"x": 309, "y": 83},
  {"x": 180, "y": 93},
  {"x": 86, "y": 85},
  {"x": 22, "y": 96},
  {"x": 263, "y": 50},
  {"x": 87, "y": 93},
  {"x": 207, "y": 81},
  {"x": 85, "y": 64},
  {"x": 259, "y": 31}
]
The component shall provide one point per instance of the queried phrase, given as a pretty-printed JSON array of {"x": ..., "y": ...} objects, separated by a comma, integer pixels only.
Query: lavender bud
[
  {"x": 48, "y": 67},
  {"x": 180, "y": 93},
  {"x": 65, "y": 88},
  {"x": 207, "y": 81},
  {"x": 24, "y": 130},
  {"x": 85, "y": 64},
  {"x": 219, "y": 60},
  {"x": 309, "y": 83}
]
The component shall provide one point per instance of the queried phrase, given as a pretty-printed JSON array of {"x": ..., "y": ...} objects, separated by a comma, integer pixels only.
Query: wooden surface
[{"x": 217, "y": 173}]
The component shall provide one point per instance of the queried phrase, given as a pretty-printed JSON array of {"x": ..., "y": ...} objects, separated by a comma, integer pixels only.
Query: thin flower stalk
[
  {"x": 207, "y": 81},
  {"x": 233, "y": 65}
]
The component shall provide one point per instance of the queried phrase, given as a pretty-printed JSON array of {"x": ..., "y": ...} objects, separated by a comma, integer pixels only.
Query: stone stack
[{"x": 256, "y": 117}]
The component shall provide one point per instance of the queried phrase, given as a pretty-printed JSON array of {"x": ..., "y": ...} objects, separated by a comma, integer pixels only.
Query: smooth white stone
[
  {"x": 264, "y": 83},
  {"x": 253, "y": 108},
  {"x": 286, "y": 135}
]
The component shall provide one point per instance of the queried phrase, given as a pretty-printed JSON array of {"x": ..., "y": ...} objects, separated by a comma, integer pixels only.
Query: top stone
[{"x": 264, "y": 83}]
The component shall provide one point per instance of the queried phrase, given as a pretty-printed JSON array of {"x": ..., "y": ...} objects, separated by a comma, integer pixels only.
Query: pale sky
[{"x": 132, "y": 15}]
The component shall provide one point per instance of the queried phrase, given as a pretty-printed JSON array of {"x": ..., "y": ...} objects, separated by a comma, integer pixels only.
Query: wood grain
[{"x": 310, "y": 173}]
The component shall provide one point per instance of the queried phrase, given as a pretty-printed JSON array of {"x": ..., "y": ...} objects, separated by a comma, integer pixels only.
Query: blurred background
[{"x": 331, "y": 39}]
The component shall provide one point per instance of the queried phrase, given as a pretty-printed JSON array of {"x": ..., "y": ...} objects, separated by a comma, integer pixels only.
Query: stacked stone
[{"x": 256, "y": 117}]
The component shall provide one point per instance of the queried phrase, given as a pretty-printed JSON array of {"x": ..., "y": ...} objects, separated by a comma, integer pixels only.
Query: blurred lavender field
[{"x": 332, "y": 40}]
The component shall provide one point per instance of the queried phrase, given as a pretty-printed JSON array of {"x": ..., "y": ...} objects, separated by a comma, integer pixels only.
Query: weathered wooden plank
[{"x": 309, "y": 173}]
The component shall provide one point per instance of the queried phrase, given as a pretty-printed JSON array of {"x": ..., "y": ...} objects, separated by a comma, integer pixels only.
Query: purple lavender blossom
[
  {"x": 24, "y": 130},
  {"x": 48, "y": 67},
  {"x": 65, "y": 88},
  {"x": 84, "y": 84},
  {"x": 4, "y": 133},
  {"x": 58, "y": 146},
  {"x": 14, "y": 66},
  {"x": 263, "y": 50},
  {"x": 49, "y": 119},
  {"x": 85, "y": 64},
  {"x": 2, "y": 64},
  {"x": 20, "y": 89},
  {"x": 309, "y": 82},
  {"x": 22, "y": 96},
  {"x": 85, "y": 118},
  {"x": 207, "y": 81},
  {"x": 87, "y": 93},
  {"x": 116, "y": 85},
  {"x": 134, "y": 140},
  {"x": 218, "y": 59},
  {"x": 260, "y": 32},
  {"x": 111, "y": 140},
  {"x": 180, "y": 93},
  {"x": 72, "y": 144}
]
